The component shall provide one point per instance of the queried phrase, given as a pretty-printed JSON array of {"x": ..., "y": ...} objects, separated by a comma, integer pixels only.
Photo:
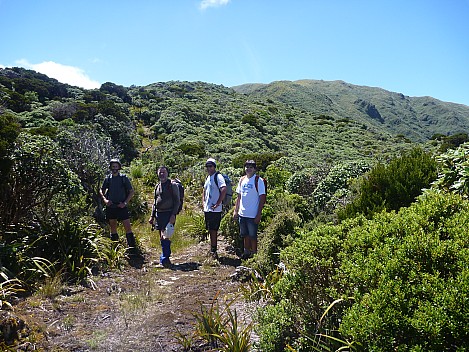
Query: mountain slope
[{"x": 417, "y": 118}]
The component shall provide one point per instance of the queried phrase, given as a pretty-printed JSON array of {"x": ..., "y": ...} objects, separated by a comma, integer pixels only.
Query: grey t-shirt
[{"x": 116, "y": 188}]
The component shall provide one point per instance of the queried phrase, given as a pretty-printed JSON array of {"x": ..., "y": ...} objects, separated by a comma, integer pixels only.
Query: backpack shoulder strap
[
  {"x": 216, "y": 177},
  {"x": 257, "y": 183}
]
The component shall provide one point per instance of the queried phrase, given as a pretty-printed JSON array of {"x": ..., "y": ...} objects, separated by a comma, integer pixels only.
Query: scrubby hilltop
[{"x": 417, "y": 118}]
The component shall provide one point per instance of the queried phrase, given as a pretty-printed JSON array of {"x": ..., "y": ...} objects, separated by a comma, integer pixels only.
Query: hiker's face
[
  {"x": 162, "y": 174},
  {"x": 210, "y": 169},
  {"x": 250, "y": 170},
  {"x": 115, "y": 168}
]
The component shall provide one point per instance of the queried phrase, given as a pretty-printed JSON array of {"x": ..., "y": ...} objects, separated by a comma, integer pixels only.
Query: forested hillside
[
  {"x": 417, "y": 118},
  {"x": 367, "y": 193}
]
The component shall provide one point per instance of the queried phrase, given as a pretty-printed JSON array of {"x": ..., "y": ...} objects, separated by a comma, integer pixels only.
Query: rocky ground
[{"x": 141, "y": 308}]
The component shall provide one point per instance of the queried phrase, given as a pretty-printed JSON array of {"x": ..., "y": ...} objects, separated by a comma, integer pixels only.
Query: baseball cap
[
  {"x": 112, "y": 161},
  {"x": 250, "y": 163},
  {"x": 210, "y": 161}
]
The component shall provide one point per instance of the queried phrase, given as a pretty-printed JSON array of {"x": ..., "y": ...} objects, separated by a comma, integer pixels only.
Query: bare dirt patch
[{"x": 141, "y": 308}]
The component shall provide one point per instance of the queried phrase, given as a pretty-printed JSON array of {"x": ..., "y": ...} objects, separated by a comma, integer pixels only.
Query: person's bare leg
[
  {"x": 113, "y": 229},
  {"x": 127, "y": 225},
  {"x": 213, "y": 238}
]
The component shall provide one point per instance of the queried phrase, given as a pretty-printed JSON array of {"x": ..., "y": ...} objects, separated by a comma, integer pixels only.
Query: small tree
[{"x": 38, "y": 176}]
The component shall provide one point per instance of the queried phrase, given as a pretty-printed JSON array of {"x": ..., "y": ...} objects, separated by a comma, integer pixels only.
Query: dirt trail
[{"x": 140, "y": 308}]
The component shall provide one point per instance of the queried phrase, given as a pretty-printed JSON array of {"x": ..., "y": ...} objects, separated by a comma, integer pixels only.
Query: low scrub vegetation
[{"x": 363, "y": 241}]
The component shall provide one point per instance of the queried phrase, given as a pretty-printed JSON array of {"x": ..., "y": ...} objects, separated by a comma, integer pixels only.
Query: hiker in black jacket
[{"x": 117, "y": 192}]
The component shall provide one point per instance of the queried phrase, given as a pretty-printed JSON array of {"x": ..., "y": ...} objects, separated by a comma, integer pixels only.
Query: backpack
[
  {"x": 181, "y": 192},
  {"x": 229, "y": 189}
]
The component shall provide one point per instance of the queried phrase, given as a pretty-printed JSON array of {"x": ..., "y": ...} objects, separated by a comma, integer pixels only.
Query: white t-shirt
[
  {"x": 249, "y": 198},
  {"x": 212, "y": 192}
]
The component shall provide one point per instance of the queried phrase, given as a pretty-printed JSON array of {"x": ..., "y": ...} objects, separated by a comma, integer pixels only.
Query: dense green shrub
[
  {"x": 304, "y": 182},
  {"x": 392, "y": 186},
  {"x": 408, "y": 274},
  {"x": 404, "y": 278},
  {"x": 276, "y": 177},
  {"x": 279, "y": 232},
  {"x": 453, "y": 141},
  {"x": 39, "y": 180},
  {"x": 334, "y": 186},
  {"x": 276, "y": 326},
  {"x": 454, "y": 171},
  {"x": 9, "y": 130}
]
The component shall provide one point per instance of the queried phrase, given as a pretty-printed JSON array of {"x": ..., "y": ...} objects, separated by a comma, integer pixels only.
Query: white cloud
[
  {"x": 204, "y": 4},
  {"x": 66, "y": 74}
]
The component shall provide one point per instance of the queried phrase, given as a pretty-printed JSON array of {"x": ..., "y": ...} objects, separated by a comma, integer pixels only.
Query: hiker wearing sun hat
[
  {"x": 116, "y": 193},
  {"x": 212, "y": 198}
]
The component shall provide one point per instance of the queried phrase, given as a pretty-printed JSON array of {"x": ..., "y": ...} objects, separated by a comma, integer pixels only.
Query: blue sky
[{"x": 414, "y": 47}]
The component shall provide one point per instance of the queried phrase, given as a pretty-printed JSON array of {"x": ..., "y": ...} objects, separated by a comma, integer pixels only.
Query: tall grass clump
[{"x": 220, "y": 326}]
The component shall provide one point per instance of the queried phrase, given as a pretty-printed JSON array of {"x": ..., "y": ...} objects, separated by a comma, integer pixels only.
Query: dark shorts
[
  {"x": 162, "y": 219},
  {"x": 248, "y": 228},
  {"x": 117, "y": 213},
  {"x": 212, "y": 220}
]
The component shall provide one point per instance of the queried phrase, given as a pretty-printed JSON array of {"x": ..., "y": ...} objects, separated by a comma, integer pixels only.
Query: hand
[
  {"x": 172, "y": 219},
  {"x": 235, "y": 215},
  {"x": 151, "y": 220},
  {"x": 257, "y": 219},
  {"x": 107, "y": 202}
]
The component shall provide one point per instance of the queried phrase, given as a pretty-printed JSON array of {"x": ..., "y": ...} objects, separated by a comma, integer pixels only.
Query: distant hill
[
  {"x": 300, "y": 124},
  {"x": 417, "y": 118}
]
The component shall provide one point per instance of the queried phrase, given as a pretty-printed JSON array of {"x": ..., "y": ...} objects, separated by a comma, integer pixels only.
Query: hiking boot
[
  {"x": 167, "y": 264},
  {"x": 131, "y": 240},
  {"x": 114, "y": 237}
]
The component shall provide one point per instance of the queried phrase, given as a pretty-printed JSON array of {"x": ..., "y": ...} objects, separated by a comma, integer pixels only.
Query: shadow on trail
[
  {"x": 191, "y": 266},
  {"x": 235, "y": 262},
  {"x": 136, "y": 260}
]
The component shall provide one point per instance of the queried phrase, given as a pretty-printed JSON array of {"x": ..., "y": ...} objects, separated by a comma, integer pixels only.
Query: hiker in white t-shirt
[
  {"x": 248, "y": 208},
  {"x": 212, "y": 197}
]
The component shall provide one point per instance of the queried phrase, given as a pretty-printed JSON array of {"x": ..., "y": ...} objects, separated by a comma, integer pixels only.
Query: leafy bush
[
  {"x": 394, "y": 185},
  {"x": 454, "y": 171},
  {"x": 276, "y": 326},
  {"x": 334, "y": 185},
  {"x": 279, "y": 232},
  {"x": 39, "y": 179},
  {"x": 303, "y": 182},
  {"x": 276, "y": 177},
  {"x": 406, "y": 273}
]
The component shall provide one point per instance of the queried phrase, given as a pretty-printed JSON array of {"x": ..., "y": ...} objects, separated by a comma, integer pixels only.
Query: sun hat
[
  {"x": 210, "y": 161},
  {"x": 115, "y": 161},
  {"x": 168, "y": 231}
]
